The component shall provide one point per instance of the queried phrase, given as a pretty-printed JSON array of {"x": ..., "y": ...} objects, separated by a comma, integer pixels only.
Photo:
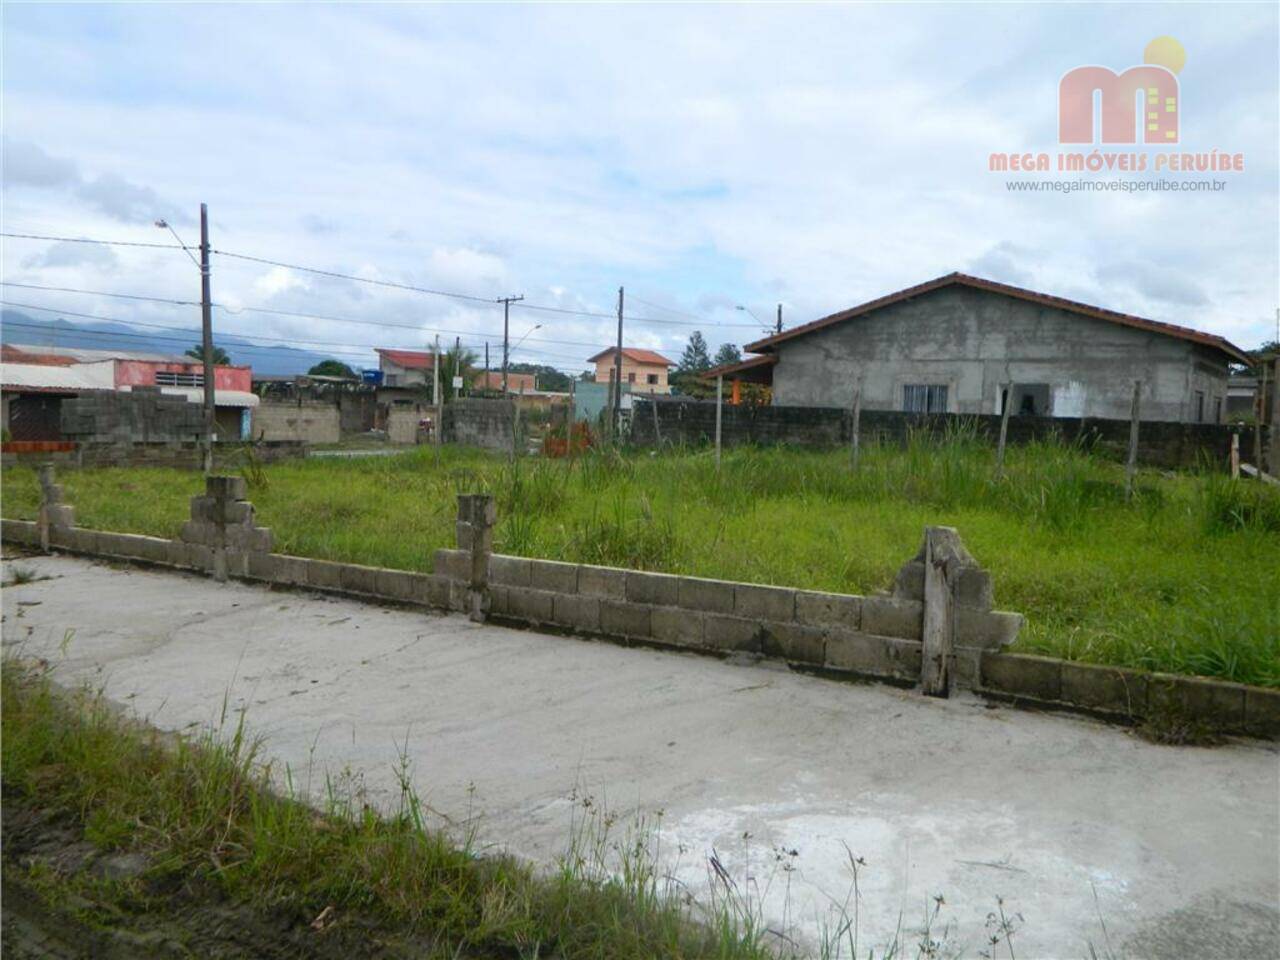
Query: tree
[
  {"x": 548, "y": 377},
  {"x": 332, "y": 368},
  {"x": 693, "y": 362},
  {"x": 728, "y": 353},
  {"x": 459, "y": 362},
  {"x": 220, "y": 357}
]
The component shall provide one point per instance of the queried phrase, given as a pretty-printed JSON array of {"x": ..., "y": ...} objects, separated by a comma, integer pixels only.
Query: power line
[
  {"x": 283, "y": 313},
  {"x": 365, "y": 349},
  {"x": 105, "y": 243}
]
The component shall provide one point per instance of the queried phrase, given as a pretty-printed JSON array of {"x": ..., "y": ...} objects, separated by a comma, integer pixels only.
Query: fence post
[
  {"x": 53, "y": 511},
  {"x": 1132, "y": 465},
  {"x": 1235, "y": 455},
  {"x": 477, "y": 514},
  {"x": 719, "y": 404},
  {"x": 938, "y": 633},
  {"x": 222, "y": 522},
  {"x": 1006, "y": 395},
  {"x": 856, "y": 426},
  {"x": 657, "y": 430}
]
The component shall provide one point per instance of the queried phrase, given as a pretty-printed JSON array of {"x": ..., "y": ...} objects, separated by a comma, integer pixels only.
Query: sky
[{"x": 703, "y": 157}]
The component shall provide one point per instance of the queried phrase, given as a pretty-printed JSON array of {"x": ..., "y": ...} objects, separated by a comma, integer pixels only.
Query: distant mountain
[{"x": 21, "y": 328}]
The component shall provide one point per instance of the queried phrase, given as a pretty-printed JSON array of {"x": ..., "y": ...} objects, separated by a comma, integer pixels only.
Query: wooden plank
[{"x": 939, "y": 613}]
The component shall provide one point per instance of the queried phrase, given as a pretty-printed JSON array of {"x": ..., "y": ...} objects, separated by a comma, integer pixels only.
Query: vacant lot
[{"x": 1185, "y": 578}]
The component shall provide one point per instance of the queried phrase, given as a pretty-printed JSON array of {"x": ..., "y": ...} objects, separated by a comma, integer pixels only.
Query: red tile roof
[
  {"x": 634, "y": 354},
  {"x": 409, "y": 359},
  {"x": 742, "y": 366},
  {"x": 977, "y": 283}
]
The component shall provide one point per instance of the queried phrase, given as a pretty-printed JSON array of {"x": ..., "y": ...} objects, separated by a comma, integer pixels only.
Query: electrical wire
[{"x": 105, "y": 243}]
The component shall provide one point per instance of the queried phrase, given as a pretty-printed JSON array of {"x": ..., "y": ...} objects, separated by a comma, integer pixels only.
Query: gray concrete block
[
  {"x": 454, "y": 564},
  {"x": 263, "y": 566},
  {"x": 678, "y": 626},
  {"x": 732, "y": 633},
  {"x": 358, "y": 578},
  {"x": 625, "y": 619},
  {"x": 436, "y": 591},
  {"x": 909, "y": 583},
  {"x": 828, "y": 609},
  {"x": 20, "y": 531},
  {"x": 793, "y": 641},
  {"x": 764, "y": 603},
  {"x": 973, "y": 588},
  {"x": 399, "y": 585},
  {"x": 324, "y": 574},
  {"x": 872, "y": 655},
  {"x": 1262, "y": 711},
  {"x": 235, "y": 512},
  {"x": 1039, "y": 678},
  {"x": 576, "y": 611},
  {"x": 528, "y": 604},
  {"x": 608, "y": 582},
  {"x": 289, "y": 570},
  {"x": 152, "y": 549},
  {"x": 60, "y": 514},
  {"x": 1100, "y": 687},
  {"x": 988, "y": 629},
  {"x": 1218, "y": 703},
  {"x": 179, "y": 553},
  {"x": 197, "y": 531},
  {"x": 226, "y": 487},
  {"x": 509, "y": 571},
  {"x": 708, "y": 596},
  {"x": 892, "y": 617},
  {"x": 199, "y": 557},
  {"x": 657, "y": 588},
  {"x": 553, "y": 575},
  {"x": 204, "y": 509}
]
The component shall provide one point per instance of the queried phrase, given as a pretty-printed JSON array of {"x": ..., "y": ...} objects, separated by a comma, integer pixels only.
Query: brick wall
[
  {"x": 307, "y": 422},
  {"x": 480, "y": 423}
]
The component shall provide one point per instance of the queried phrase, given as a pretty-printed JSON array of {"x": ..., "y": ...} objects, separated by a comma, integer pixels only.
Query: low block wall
[
  {"x": 299, "y": 422},
  {"x": 876, "y": 637},
  {"x": 480, "y": 423},
  {"x": 185, "y": 455},
  {"x": 1160, "y": 444}
]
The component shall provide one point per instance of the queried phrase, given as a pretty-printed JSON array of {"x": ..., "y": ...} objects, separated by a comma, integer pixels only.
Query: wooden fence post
[
  {"x": 477, "y": 514},
  {"x": 719, "y": 404},
  {"x": 1006, "y": 396},
  {"x": 1132, "y": 465},
  {"x": 938, "y": 633}
]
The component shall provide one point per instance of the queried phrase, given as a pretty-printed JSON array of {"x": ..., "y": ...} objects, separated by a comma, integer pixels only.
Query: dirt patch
[{"x": 66, "y": 899}]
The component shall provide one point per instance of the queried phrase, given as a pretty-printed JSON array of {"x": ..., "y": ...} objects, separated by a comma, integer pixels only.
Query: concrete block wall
[
  {"x": 877, "y": 636},
  {"x": 1161, "y": 444},
  {"x": 307, "y": 422},
  {"x": 478, "y": 422},
  {"x": 140, "y": 415}
]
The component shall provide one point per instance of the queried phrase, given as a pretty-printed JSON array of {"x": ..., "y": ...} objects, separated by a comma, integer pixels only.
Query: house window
[
  {"x": 390, "y": 379},
  {"x": 631, "y": 377},
  {"x": 1199, "y": 406},
  {"x": 167, "y": 378},
  {"x": 653, "y": 378},
  {"x": 924, "y": 398}
]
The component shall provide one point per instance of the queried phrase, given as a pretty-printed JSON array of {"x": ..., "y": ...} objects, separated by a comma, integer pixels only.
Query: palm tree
[
  {"x": 459, "y": 362},
  {"x": 220, "y": 357}
]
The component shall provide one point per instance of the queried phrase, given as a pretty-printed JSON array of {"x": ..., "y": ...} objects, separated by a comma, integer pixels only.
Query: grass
[
  {"x": 1184, "y": 578},
  {"x": 203, "y": 811}
]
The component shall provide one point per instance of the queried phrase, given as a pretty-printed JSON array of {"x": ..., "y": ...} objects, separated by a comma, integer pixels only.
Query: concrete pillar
[
  {"x": 477, "y": 514},
  {"x": 222, "y": 522},
  {"x": 54, "y": 513}
]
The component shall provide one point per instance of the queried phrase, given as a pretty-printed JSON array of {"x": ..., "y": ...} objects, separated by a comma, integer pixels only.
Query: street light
[{"x": 747, "y": 310}]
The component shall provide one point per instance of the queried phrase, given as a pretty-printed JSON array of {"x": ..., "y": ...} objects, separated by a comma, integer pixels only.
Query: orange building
[{"x": 644, "y": 370}]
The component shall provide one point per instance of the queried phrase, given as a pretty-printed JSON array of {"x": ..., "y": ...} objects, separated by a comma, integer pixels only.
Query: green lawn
[{"x": 1186, "y": 578}]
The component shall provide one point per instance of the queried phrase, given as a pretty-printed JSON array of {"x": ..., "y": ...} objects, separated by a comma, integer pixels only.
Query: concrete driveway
[{"x": 1069, "y": 821}]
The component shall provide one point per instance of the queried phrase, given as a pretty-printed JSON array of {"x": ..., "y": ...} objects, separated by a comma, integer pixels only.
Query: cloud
[
  {"x": 279, "y": 280},
  {"x": 26, "y": 164},
  {"x": 1154, "y": 282},
  {"x": 69, "y": 254},
  {"x": 128, "y": 202},
  {"x": 1002, "y": 263}
]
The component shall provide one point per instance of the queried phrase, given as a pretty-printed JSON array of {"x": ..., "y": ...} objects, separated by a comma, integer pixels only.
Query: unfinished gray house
[{"x": 948, "y": 346}]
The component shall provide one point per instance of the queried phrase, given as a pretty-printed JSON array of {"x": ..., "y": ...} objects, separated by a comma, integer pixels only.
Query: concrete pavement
[{"x": 1179, "y": 846}]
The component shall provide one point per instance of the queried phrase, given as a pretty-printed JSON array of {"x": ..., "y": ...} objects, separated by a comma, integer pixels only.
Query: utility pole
[
  {"x": 457, "y": 361},
  {"x": 506, "y": 335},
  {"x": 435, "y": 395},
  {"x": 206, "y": 324},
  {"x": 486, "y": 366},
  {"x": 617, "y": 371},
  {"x": 779, "y": 327}
]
